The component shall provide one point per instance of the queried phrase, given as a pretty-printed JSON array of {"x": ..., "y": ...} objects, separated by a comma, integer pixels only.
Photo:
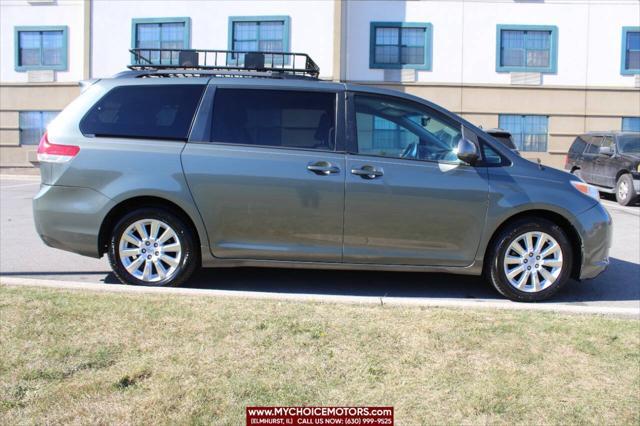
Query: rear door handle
[
  {"x": 322, "y": 168},
  {"x": 368, "y": 172}
]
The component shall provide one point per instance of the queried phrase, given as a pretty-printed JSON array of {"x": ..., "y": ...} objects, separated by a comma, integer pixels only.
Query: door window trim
[{"x": 203, "y": 124}]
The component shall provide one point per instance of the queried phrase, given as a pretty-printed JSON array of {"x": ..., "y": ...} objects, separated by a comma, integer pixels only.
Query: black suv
[{"x": 609, "y": 160}]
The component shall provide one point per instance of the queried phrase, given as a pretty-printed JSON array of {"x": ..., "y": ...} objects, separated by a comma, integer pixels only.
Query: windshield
[{"x": 628, "y": 144}]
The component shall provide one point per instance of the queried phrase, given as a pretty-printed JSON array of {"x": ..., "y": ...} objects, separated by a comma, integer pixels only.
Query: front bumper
[
  {"x": 69, "y": 218},
  {"x": 595, "y": 227}
]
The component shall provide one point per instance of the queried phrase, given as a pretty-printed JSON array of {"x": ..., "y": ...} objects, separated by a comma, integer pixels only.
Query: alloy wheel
[
  {"x": 533, "y": 262},
  {"x": 150, "y": 250},
  {"x": 623, "y": 190}
]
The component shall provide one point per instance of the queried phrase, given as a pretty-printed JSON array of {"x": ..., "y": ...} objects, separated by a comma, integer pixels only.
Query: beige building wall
[
  {"x": 17, "y": 91},
  {"x": 15, "y": 98}
]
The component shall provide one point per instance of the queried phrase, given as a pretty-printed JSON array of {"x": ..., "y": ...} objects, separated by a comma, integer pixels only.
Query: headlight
[
  {"x": 638, "y": 168},
  {"x": 586, "y": 189}
]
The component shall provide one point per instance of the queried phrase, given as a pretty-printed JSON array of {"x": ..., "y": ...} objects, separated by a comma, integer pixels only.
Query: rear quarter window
[
  {"x": 578, "y": 145},
  {"x": 145, "y": 112}
]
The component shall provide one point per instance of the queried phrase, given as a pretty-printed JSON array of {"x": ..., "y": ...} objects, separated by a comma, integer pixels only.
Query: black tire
[
  {"x": 576, "y": 172},
  {"x": 631, "y": 195},
  {"x": 190, "y": 256},
  {"x": 494, "y": 270}
]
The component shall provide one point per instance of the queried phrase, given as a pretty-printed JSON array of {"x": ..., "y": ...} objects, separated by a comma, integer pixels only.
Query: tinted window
[
  {"x": 150, "y": 112},
  {"x": 281, "y": 118},
  {"x": 578, "y": 146},
  {"x": 392, "y": 128},
  {"x": 490, "y": 154},
  {"x": 594, "y": 147},
  {"x": 608, "y": 141}
]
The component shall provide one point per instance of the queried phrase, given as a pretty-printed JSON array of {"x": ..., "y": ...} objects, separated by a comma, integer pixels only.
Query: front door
[
  {"x": 409, "y": 200},
  {"x": 268, "y": 182},
  {"x": 605, "y": 165},
  {"x": 589, "y": 157}
]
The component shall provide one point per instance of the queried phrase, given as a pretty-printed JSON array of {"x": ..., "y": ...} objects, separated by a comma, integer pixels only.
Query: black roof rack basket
[{"x": 224, "y": 62}]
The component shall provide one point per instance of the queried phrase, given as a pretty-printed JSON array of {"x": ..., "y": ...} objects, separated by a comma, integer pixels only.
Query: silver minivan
[{"x": 166, "y": 169}]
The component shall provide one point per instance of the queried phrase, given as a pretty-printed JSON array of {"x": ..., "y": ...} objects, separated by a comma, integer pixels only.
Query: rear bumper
[
  {"x": 596, "y": 232},
  {"x": 69, "y": 218}
]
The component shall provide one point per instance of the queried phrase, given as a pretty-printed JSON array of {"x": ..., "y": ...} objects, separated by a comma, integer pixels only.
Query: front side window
[
  {"x": 397, "y": 129},
  {"x": 400, "y": 45},
  {"x": 630, "y": 50},
  {"x": 161, "y": 33},
  {"x": 526, "y": 48},
  {"x": 529, "y": 132},
  {"x": 145, "y": 112},
  {"x": 33, "y": 124},
  {"x": 259, "y": 34},
  {"x": 594, "y": 146},
  {"x": 631, "y": 124},
  {"x": 277, "y": 118},
  {"x": 41, "y": 48}
]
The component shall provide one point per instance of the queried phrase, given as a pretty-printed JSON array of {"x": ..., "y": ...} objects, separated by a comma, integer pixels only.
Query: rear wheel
[
  {"x": 151, "y": 246},
  {"x": 576, "y": 172},
  {"x": 625, "y": 192},
  {"x": 530, "y": 260}
]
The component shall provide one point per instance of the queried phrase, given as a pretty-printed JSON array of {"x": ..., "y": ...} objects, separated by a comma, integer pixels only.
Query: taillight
[{"x": 54, "y": 153}]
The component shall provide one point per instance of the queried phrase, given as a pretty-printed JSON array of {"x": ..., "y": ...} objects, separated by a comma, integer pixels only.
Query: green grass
[{"x": 82, "y": 357}]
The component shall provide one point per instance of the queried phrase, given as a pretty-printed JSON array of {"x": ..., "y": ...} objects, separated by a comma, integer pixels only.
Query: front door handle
[
  {"x": 368, "y": 172},
  {"x": 323, "y": 168}
]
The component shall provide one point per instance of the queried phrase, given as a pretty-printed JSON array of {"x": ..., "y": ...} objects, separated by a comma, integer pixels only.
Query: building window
[
  {"x": 398, "y": 45},
  {"x": 40, "y": 48},
  {"x": 160, "y": 33},
  {"x": 33, "y": 124},
  {"x": 526, "y": 48},
  {"x": 631, "y": 124},
  {"x": 529, "y": 131},
  {"x": 261, "y": 34},
  {"x": 630, "y": 50}
]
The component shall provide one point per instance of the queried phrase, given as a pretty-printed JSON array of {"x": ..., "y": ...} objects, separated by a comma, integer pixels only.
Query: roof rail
[{"x": 228, "y": 63}]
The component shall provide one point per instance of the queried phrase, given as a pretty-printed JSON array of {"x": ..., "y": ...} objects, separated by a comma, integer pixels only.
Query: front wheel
[
  {"x": 151, "y": 246},
  {"x": 625, "y": 192},
  {"x": 530, "y": 260}
]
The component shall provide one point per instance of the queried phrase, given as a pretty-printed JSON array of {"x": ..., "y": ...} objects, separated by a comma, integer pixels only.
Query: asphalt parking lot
[{"x": 22, "y": 254}]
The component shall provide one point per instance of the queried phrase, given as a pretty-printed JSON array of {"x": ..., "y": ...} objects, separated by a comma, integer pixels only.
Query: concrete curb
[{"x": 371, "y": 300}]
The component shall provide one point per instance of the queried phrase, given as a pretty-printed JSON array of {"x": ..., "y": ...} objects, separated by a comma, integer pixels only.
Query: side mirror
[
  {"x": 467, "y": 151},
  {"x": 605, "y": 150}
]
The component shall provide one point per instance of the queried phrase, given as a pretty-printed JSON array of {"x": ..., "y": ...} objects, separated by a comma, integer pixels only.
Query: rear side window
[
  {"x": 578, "y": 145},
  {"x": 291, "y": 119},
  {"x": 146, "y": 112}
]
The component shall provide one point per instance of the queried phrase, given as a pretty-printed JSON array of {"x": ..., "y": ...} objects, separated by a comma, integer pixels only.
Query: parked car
[
  {"x": 608, "y": 160},
  {"x": 504, "y": 137},
  {"x": 166, "y": 170}
]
